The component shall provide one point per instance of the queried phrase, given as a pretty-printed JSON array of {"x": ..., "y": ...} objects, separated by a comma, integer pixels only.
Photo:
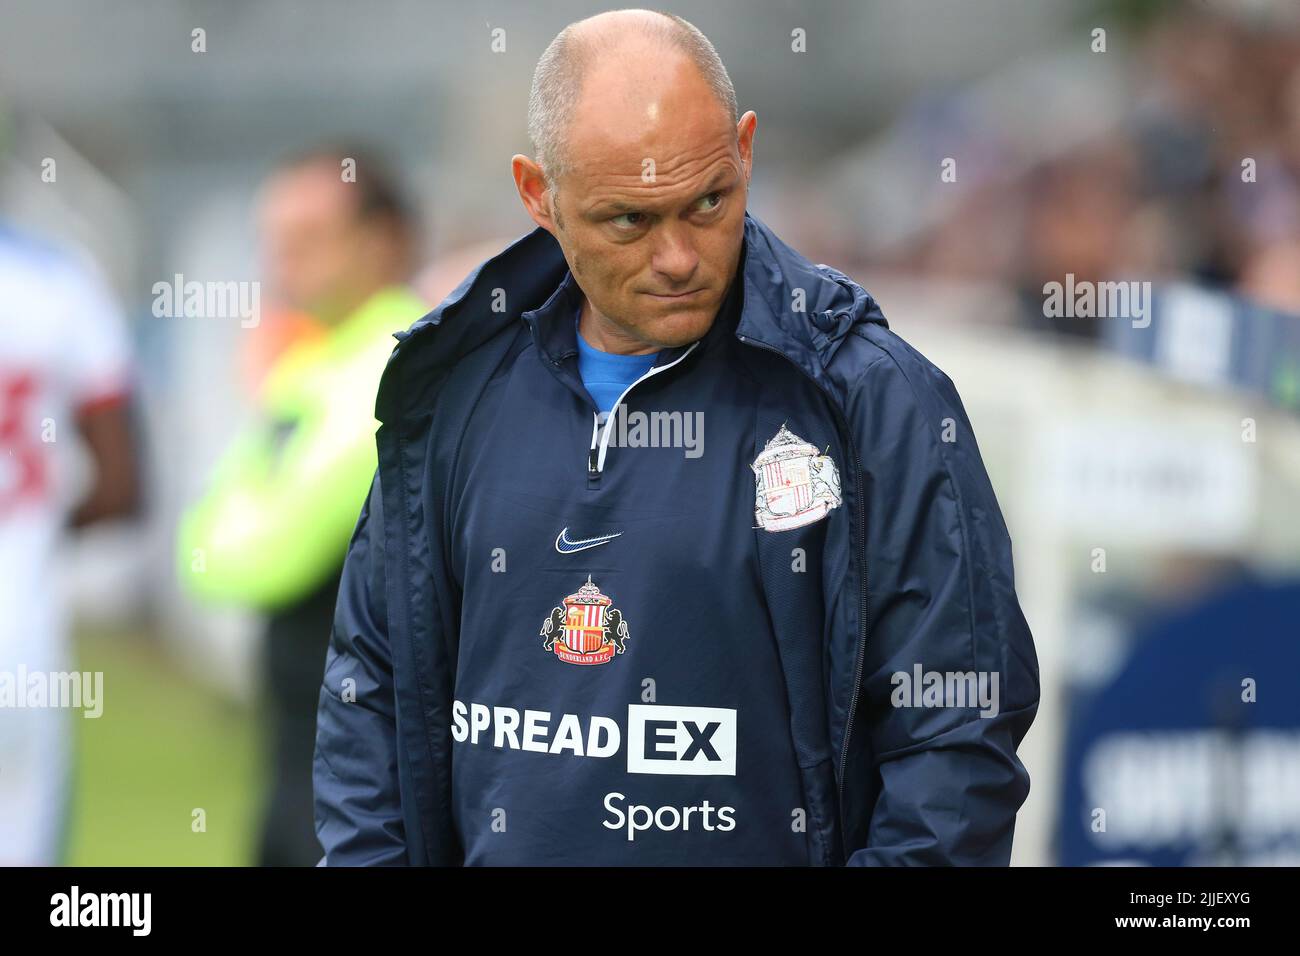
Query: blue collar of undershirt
[{"x": 606, "y": 374}]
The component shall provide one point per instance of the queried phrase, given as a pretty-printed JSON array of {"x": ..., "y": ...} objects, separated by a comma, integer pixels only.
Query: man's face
[
  {"x": 651, "y": 214},
  {"x": 312, "y": 241}
]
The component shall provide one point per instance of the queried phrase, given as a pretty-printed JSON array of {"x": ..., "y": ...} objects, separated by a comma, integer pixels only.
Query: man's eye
[
  {"x": 628, "y": 220},
  {"x": 716, "y": 202}
]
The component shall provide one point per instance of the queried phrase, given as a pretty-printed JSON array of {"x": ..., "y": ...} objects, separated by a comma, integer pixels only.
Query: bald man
[{"x": 676, "y": 554}]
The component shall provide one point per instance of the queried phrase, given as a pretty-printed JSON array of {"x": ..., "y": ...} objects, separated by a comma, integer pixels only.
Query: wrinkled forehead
[{"x": 648, "y": 111}]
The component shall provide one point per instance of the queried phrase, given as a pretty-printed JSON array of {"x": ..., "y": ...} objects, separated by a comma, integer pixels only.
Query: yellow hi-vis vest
[{"x": 285, "y": 497}]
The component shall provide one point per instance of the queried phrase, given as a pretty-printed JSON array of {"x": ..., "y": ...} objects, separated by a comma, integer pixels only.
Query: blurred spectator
[
  {"x": 64, "y": 364},
  {"x": 272, "y": 532},
  {"x": 1198, "y": 177},
  {"x": 1079, "y": 208}
]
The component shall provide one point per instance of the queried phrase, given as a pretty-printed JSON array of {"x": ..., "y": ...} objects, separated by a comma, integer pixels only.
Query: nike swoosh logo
[{"x": 565, "y": 545}]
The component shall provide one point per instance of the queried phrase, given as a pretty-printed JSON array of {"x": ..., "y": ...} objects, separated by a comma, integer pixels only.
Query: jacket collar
[{"x": 782, "y": 302}]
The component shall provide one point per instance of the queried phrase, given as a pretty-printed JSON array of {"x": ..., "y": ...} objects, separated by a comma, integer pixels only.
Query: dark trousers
[{"x": 297, "y": 638}]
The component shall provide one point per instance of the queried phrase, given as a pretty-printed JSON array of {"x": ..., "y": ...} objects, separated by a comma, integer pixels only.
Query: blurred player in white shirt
[{"x": 65, "y": 372}]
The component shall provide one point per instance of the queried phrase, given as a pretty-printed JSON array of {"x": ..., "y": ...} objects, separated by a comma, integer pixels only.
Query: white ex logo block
[{"x": 694, "y": 741}]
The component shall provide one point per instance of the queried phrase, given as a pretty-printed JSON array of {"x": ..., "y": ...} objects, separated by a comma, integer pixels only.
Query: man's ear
[
  {"x": 533, "y": 191},
  {"x": 745, "y": 142}
]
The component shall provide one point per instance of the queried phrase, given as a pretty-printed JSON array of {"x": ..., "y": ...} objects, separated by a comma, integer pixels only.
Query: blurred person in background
[
  {"x": 272, "y": 531},
  {"x": 1196, "y": 180},
  {"x": 65, "y": 368},
  {"x": 1078, "y": 210}
]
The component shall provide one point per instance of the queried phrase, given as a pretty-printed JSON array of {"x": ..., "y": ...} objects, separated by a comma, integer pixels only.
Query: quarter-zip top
[
  {"x": 681, "y": 649},
  {"x": 556, "y": 343},
  {"x": 754, "y": 325},
  {"x": 622, "y": 698}
]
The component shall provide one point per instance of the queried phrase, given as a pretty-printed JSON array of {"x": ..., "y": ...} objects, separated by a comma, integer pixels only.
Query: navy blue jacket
[{"x": 907, "y": 579}]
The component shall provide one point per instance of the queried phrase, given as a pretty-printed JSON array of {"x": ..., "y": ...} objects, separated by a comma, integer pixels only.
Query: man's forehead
[
  {"x": 607, "y": 191},
  {"x": 642, "y": 99},
  {"x": 661, "y": 157}
]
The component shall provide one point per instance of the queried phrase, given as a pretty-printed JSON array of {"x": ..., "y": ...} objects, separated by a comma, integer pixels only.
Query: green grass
[{"x": 164, "y": 746}]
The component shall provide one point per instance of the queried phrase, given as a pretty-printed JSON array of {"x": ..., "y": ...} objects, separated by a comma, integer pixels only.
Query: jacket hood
[{"x": 522, "y": 277}]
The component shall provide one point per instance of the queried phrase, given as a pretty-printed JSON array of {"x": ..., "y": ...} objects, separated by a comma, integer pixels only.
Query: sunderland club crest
[
  {"x": 794, "y": 485},
  {"x": 587, "y": 629}
]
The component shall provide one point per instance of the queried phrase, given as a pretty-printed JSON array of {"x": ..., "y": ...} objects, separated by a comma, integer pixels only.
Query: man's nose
[{"x": 675, "y": 258}]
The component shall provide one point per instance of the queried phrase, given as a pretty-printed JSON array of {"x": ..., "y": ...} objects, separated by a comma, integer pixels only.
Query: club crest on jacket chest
[
  {"x": 793, "y": 484},
  {"x": 586, "y": 628}
]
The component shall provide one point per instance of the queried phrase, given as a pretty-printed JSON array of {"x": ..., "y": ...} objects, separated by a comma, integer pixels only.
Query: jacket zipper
[
  {"x": 593, "y": 472},
  {"x": 862, "y": 565},
  {"x": 595, "y": 459}
]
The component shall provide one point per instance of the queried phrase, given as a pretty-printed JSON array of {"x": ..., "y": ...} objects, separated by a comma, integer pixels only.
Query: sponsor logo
[
  {"x": 587, "y": 629},
  {"x": 681, "y": 740},
  {"x": 793, "y": 485},
  {"x": 661, "y": 739},
  {"x": 636, "y": 818},
  {"x": 566, "y": 545}
]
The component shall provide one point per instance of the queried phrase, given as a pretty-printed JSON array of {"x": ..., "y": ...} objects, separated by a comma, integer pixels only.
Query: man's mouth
[{"x": 677, "y": 297}]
